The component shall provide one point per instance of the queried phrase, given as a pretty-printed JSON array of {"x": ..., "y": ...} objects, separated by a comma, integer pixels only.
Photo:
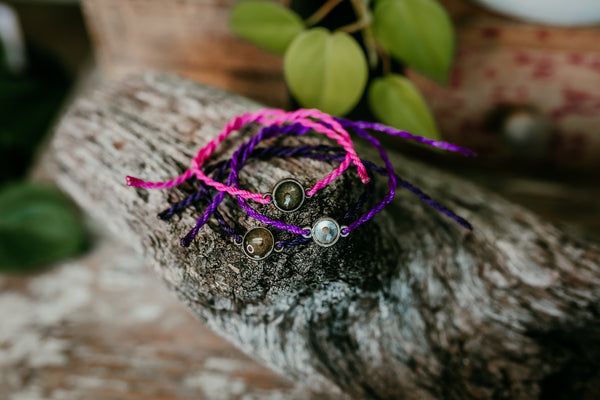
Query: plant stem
[
  {"x": 322, "y": 12},
  {"x": 353, "y": 27},
  {"x": 361, "y": 8},
  {"x": 386, "y": 62}
]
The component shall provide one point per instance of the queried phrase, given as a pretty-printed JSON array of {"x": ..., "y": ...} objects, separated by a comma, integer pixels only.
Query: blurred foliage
[
  {"x": 335, "y": 66},
  {"x": 387, "y": 92},
  {"x": 417, "y": 32},
  {"x": 332, "y": 68},
  {"x": 38, "y": 226},
  {"x": 270, "y": 26},
  {"x": 29, "y": 102}
]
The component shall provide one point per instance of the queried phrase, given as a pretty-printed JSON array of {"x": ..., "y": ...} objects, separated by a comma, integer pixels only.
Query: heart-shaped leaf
[
  {"x": 418, "y": 33},
  {"x": 266, "y": 24},
  {"x": 326, "y": 70},
  {"x": 395, "y": 101},
  {"x": 37, "y": 227}
]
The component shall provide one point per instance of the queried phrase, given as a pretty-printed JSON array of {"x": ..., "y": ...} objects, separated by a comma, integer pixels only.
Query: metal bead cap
[
  {"x": 258, "y": 243},
  {"x": 326, "y": 231},
  {"x": 288, "y": 195}
]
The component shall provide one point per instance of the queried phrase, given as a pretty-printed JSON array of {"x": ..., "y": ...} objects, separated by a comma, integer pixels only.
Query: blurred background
[
  {"x": 43, "y": 49},
  {"x": 524, "y": 92}
]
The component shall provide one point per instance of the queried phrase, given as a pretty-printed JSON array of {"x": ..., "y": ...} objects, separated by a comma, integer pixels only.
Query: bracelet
[
  {"x": 325, "y": 231},
  {"x": 262, "y": 235},
  {"x": 304, "y": 233},
  {"x": 320, "y": 152},
  {"x": 288, "y": 195},
  {"x": 237, "y": 161},
  {"x": 332, "y": 129}
]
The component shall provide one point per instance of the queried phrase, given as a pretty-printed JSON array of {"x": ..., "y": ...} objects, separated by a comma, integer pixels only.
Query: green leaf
[
  {"x": 418, "y": 33},
  {"x": 326, "y": 70},
  {"x": 265, "y": 24},
  {"x": 395, "y": 101},
  {"x": 37, "y": 227}
]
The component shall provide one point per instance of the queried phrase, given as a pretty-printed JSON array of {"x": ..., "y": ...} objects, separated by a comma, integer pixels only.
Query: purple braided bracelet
[
  {"x": 325, "y": 231},
  {"x": 246, "y": 149},
  {"x": 239, "y": 159},
  {"x": 319, "y": 152},
  {"x": 241, "y": 156}
]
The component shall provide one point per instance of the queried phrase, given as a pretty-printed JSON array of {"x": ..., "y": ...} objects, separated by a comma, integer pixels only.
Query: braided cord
[
  {"x": 358, "y": 128},
  {"x": 268, "y": 118},
  {"x": 406, "y": 135},
  {"x": 328, "y": 120},
  {"x": 240, "y": 156},
  {"x": 299, "y": 117},
  {"x": 278, "y": 122},
  {"x": 322, "y": 153}
]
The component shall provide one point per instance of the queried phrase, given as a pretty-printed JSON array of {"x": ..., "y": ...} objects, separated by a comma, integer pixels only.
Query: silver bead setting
[
  {"x": 326, "y": 231},
  {"x": 288, "y": 195}
]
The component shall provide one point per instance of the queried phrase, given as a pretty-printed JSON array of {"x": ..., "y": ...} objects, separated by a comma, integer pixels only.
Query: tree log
[
  {"x": 103, "y": 327},
  {"x": 410, "y": 305}
]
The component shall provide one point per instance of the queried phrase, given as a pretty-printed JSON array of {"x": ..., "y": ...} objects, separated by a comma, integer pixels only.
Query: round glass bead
[
  {"x": 325, "y": 232},
  {"x": 288, "y": 195},
  {"x": 258, "y": 243}
]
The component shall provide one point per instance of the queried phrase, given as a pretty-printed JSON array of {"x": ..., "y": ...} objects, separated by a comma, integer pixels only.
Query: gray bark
[{"x": 409, "y": 306}]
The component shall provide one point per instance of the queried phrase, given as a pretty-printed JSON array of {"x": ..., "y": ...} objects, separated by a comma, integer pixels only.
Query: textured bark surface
[
  {"x": 103, "y": 327},
  {"x": 409, "y": 306}
]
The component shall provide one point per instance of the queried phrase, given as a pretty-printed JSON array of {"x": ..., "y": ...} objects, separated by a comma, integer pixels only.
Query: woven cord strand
[
  {"x": 343, "y": 138},
  {"x": 333, "y": 128},
  {"x": 406, "y": 135},
  {"x": 328, "y": 153},
  {"x": 243, "y": 152},
  {"x": 203, "y": 193},
  {"x": 268, "y": 117}
]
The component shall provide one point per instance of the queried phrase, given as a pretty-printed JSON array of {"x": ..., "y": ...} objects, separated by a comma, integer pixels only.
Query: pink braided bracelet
[{"x": 267, "y": 117}]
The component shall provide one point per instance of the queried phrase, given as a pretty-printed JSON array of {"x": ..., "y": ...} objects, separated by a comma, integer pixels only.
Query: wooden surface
[
  {"x": 189, "y": 37},
  {"x": 409, "y": 306},
  {"x": 104, "y": 327}
]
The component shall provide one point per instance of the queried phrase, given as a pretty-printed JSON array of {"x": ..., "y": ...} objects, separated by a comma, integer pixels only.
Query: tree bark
[
  {"x": 410, "y": 305},
  {"x": 102, "y": 327}
]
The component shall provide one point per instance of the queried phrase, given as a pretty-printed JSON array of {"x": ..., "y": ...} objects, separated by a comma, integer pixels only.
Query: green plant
[
  {"x": 330, "y": 70},
  {"x": 37, "y": 227}
]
